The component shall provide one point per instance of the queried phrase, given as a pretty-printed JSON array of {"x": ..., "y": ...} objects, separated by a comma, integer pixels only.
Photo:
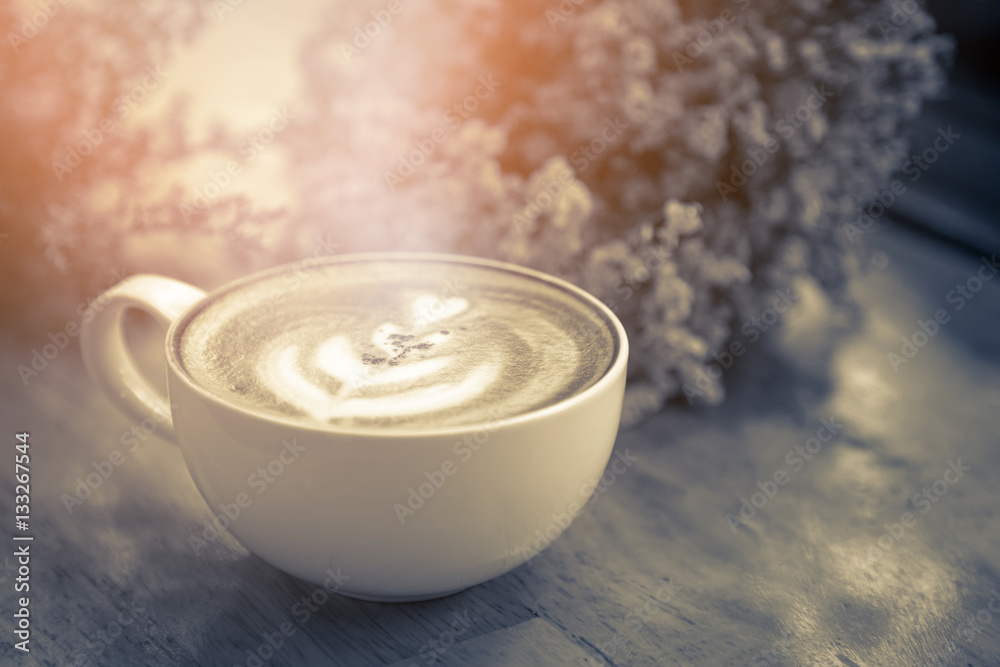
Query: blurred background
[
  {"x": 684, "y": 160},
  {"x": 204, "y": 140}
]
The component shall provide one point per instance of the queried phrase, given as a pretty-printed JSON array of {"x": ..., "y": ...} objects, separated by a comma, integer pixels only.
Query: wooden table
[{"x": 873, "y": 551}]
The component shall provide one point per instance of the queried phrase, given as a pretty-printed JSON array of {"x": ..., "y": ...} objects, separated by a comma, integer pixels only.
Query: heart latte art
[{"x": 413, "y": 343}]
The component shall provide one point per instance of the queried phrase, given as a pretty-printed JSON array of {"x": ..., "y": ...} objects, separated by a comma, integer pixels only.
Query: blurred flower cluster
[{"x": 680, "y": 159}]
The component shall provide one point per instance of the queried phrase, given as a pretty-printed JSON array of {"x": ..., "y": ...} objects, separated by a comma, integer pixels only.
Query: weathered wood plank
[{"x": 651, "y": 574}]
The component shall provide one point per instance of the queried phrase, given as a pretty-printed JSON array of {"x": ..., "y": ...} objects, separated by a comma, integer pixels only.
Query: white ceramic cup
[{"x": 333, "y": 506}]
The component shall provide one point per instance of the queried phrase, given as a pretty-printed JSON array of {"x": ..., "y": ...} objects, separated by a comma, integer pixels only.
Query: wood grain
[{"x": 651, "y": 574}]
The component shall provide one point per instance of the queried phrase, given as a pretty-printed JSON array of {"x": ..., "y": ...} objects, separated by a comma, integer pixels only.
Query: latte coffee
[{"x": 413, "y": 343}]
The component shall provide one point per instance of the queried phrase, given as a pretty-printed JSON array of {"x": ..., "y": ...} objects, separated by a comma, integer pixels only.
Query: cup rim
[{"x": 610, "y": 375}]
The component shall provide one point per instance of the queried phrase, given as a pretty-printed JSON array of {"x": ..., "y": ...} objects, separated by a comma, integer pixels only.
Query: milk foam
[{"x": 404, "y": 343}]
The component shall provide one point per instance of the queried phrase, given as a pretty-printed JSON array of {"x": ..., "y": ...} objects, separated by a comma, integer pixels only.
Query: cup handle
[{"x": 106, "y": 356}]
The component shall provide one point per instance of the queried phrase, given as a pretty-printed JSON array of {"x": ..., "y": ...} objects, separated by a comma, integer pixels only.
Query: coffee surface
[{"x": 406, "y": 343}]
